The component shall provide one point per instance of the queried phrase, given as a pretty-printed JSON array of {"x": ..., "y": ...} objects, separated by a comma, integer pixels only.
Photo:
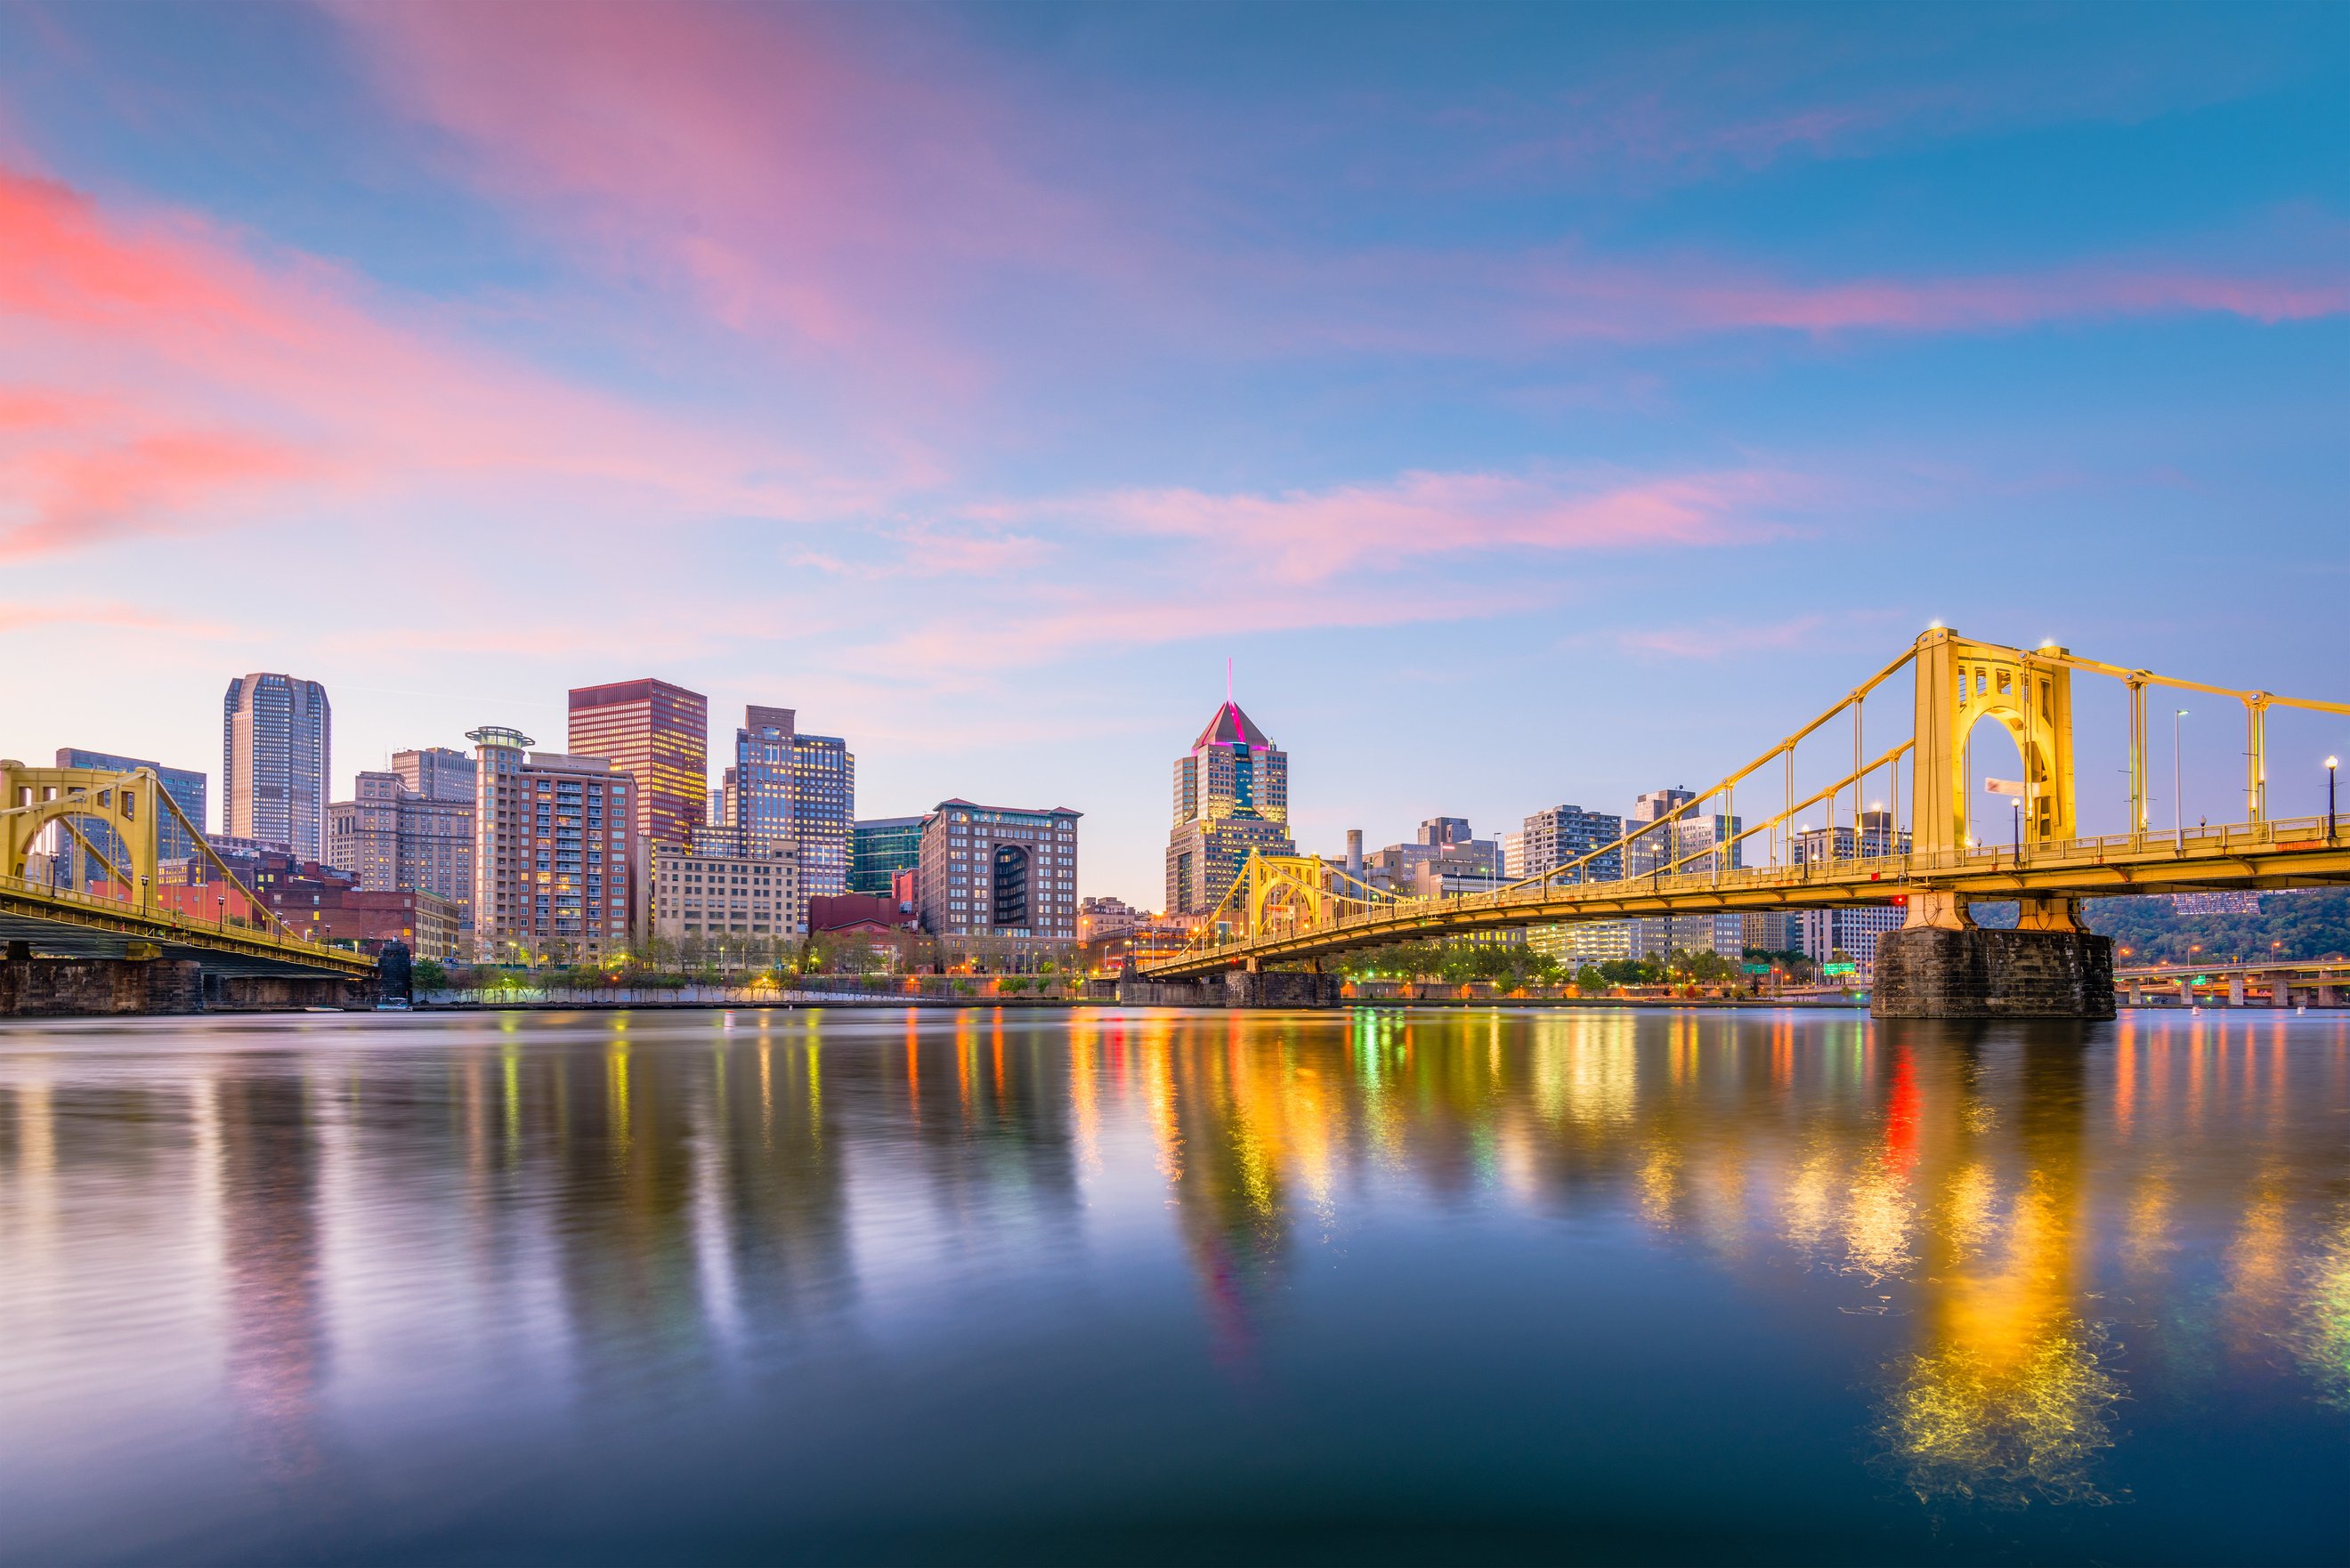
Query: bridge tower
[
  {"x": 1940, "y": 964},
  {"x": 130, "y": 806}
]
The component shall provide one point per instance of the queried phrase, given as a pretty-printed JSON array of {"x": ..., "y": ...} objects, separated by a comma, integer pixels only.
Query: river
[{"x": 1085, "y": 1285}]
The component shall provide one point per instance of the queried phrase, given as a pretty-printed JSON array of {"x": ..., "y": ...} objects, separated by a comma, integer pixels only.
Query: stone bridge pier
[
  {"x": 1234, "y": 988},
  {"x": 1942, "y": 965}
]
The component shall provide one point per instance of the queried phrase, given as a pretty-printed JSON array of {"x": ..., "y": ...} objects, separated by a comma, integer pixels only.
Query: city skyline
[{"x": 1589, "y": 378}]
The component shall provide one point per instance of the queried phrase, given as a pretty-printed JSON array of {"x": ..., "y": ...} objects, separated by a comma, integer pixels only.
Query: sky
[{"x": 1534, "y": 405}]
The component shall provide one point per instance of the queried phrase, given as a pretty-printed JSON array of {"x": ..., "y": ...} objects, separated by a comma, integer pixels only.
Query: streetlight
[
  {"x": 2331, "y": 763},
  {"x": 2178, "y": 804}
]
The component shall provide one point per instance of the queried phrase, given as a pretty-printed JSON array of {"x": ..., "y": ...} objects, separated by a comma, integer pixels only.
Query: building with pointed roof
[{"x": 1231, "y": 796}]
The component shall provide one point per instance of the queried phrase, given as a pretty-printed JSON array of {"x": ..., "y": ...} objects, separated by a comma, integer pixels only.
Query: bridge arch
[
  {"x": 1961, "y": 684},
  {"x": 128, "y": 806}
]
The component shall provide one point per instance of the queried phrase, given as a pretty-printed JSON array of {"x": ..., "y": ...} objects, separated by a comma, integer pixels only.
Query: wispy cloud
[
  {"x": 112, "y": 615},
  {"x": 160, "y": 367}
]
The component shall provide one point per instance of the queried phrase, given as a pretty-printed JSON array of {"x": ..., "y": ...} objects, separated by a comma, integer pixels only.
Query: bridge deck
[
  {"x": 2287, "y": 853},
  {"x": 77, "y": 925}
]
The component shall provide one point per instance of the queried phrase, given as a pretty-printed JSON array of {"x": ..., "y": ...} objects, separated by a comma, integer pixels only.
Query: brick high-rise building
[
  {"x": 999, "y": 871},
  {"x": 1231, "y": 796},
  {"x": 558, "y": 865},
  {"x": 276, "y": 741},
  {"x": 658, "y": 734}
]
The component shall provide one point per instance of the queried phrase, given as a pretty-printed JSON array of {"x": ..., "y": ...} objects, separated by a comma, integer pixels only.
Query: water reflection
[{"x": 454, "y": 1221}]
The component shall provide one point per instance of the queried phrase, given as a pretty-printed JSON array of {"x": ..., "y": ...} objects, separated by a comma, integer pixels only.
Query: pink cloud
[
  {"x": 158, "y": 366},
  {"x": 109, "y": 614},
  {"x": 1311, "y": 535},
  {"x": 1515, "y": 304},
  {"x": 741, "y": 154}
]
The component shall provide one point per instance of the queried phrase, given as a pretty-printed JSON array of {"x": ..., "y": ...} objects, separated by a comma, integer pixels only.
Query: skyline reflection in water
[{"x": 864, "y": 1285}]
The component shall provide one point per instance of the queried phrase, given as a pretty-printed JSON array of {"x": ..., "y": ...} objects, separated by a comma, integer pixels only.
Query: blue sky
[{"x": 1536, "y": 405}]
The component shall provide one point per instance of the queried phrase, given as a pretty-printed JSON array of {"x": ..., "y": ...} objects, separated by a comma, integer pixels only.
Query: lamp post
[
  {"x": 2331, "y": 763},
  {"x": 2177, "y": 804}
]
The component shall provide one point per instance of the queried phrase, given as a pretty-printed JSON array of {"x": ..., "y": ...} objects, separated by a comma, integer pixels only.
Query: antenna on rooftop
[{"x": 1228, "y": 678}]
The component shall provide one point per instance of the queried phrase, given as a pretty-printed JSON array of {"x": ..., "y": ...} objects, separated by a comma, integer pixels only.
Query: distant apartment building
[
  {"x": 1850, "y": 933},
  {"x": 363, "y": 832},
  {"x": 1583, "y": 942},
  {"x": 276, "y": 747},
  {"x": 1000, "y": 872},
  {"x": 411, "y": 828},
  {"x": 557, "y": 856},
  {"x": 879, "y": 848},
  {"x": 659, "y": 734},
  {"x": 436, "y": 773},
  {"x": 2228, "y": 901},
  {"x": 1722, "y": 935},
  {"x": 1105, "y": 916},
  {"x": 1772, "y": 931},
  {"x": 1684, "y": 845},
  {"x": 718, "y": 892},
  {"x": 1564, "y": 835},
  {"x": 1445, "y": 857},
  {"x": 1232, "y": 799},
  {"x": 1875, "y": 839},
  {"x": 184, "y": 786}
]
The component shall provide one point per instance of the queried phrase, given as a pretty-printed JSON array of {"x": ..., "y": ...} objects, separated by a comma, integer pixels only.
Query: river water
[{"x": 1042, "y": 1285}]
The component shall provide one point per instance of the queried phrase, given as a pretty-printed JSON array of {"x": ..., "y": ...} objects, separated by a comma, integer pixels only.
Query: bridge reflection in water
[{"x": 854, "y": 1266}]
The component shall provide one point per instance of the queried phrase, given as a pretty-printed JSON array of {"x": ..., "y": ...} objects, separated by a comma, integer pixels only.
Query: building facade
[
  {"x": 1849, "y": 934},
  {"x": 557, "y": 856},
  {"x": 1677, "y": 844},
  {"x": 1875, "y": 839},
  {"x": 1000, "y": 871},
  {"x": 718, "y": 892},
  {"x": 276, "y": 747},
  {"x": 1566, "y": 833},
  {"x": 436, "y": 773},
  {"x": 1724, "y": 936},
  {"x": 186, "y": 787},
  {"x": 1231, "y": 798},
  {"x": 880, "y": 847},
  {"x": 790, "y": 788},
  {"x": 394, "y": 837},
  {"x": 1583, "y": 942},
  {"x": 1772, "y": 931},
  {"x": 659, "y": 734}
]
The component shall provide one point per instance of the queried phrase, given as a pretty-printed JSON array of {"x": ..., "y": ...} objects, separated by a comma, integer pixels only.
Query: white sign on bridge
[{"x": 2016, "y": 787}]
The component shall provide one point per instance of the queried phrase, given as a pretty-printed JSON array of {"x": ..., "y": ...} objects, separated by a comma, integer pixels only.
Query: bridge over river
[
  {"x": 102, "y": 932},
  {"x": 1265, "y": 941}
]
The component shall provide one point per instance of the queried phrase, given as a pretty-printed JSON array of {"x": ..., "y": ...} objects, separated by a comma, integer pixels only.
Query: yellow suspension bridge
[
  {"x": 119, "y": 907},
  {"x": 1291, "y": 911}
]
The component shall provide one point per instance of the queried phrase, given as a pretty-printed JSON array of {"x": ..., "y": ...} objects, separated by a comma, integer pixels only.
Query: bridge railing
[
  {"x": 226, "y": 926},
  {"x": 2204, "y": 841}
]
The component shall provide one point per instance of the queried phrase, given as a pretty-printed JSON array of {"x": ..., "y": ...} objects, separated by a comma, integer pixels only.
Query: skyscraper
[
  {"x": 276, "y": 742},
  {"x": 657, "y": 733},
  {"x": 1231, "y": 796},
  {"x": 787, "y": 788}
]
